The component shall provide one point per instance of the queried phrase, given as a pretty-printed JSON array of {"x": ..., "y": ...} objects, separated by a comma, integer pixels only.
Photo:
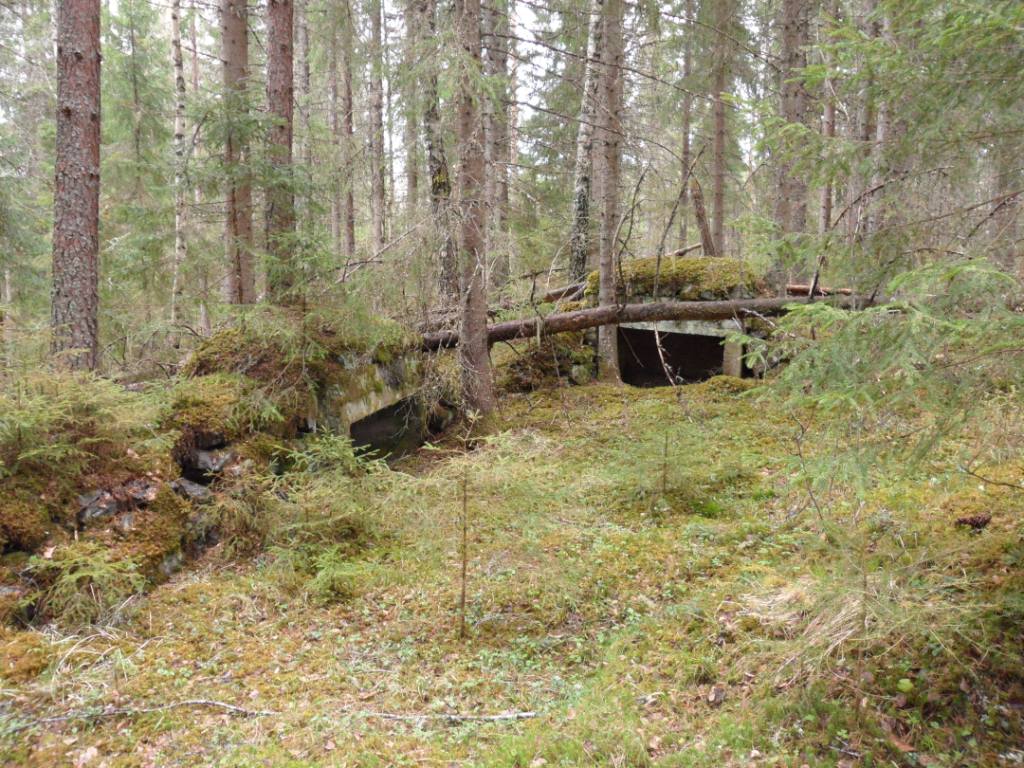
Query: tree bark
[
  {"x": 280, "y": 196},
  {"x": 707, "y": 239},
  {"x": 686, "y": 159},
  {"x": 437, "y": 166},
  {"x": 579, "y": 236},
  {"x": 302, "y": 102},
  {"x": 616, "y": 314},
  {"x": 240, "y": 285},
  {"x": 791, "y": 188},
  {"x": 7, "y": 316},
  {"x": 75, "y": 298},
  {"x": 718, "y": 173},
  {"x": 474, "y": 358},
  {"x": 497, "y": 144},
  {"x": 411, "y": 112},
  {"x": 611, "y": 88},
  {"x": 180, "y": 200},
  {"x": 378, "y": 168}
]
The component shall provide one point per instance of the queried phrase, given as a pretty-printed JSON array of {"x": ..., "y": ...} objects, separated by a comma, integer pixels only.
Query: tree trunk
[
  {"x": 707, "y": 239},
  {"x": 612, "y": 87},
  {"x": 497, "y": 144},
  {"x": 474, "y": 358},
  {"x": 240, "y": 286},
  {"x": 377, "y": 160},
  {"x": 348, "y": 217},
  {"x": 180, "y": 201},
  {"x": 75, "y": 298},
  {"x": 862, "y": 129},
  {"x": 7, "y": 316},
  {"x": 437, "y": 166},
  {"x": 718, "y": 174},
  {"x": 791, "y": 188},
  {"x": 411, "y": 112},
  {"x": 616, "y": 314},
  {"x": 302, "y": 102},
  {"x": 280, "y": 197},
  {"x": 579, "y": 236},
  {"x": 684, "y": 214}
]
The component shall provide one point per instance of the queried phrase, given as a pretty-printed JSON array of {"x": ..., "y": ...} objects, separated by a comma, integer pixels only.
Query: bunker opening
[
  {"x": 689, "y": 357},
  {"x": 392, "y": 432}
]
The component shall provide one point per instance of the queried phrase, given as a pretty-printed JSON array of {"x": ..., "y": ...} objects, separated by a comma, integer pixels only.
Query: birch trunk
[{"x": 579, "y": 236}]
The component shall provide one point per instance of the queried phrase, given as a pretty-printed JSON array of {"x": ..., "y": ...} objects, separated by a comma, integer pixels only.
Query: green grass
[{"x": 613, "y": 584}]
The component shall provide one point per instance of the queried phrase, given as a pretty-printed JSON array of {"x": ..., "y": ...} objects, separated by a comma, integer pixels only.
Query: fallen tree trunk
[{"x": 632, "y": 313}]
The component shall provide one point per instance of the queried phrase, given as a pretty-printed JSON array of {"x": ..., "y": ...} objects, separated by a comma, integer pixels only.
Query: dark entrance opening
[
  {"x": 689, "y": 357},
  {"x": 394, "y": 431}
]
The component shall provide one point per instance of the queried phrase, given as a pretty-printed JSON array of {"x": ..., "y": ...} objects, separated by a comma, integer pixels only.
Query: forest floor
[{"x": 642, "y": 577}]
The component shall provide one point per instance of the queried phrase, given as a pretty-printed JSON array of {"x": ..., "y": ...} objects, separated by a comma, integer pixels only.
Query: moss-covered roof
[{"x": 685, "y": 278}]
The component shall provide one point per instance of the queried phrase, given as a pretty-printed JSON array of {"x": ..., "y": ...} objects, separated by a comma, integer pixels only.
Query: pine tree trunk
[
  {"x": 437, "y": 166},
  {"x": 377, "y": 160},
  {"x": 280, "y": 197},
  {"x": 240, "y": 285},
  {"x": 611, "y": 89},
  {"x": 791, "y": 188},
  {"x": 579, "y": 236},
  {"x": 75, "y": 298},
  {"x": 474, "y": 358},
  {"x": 180, "y": 199}
]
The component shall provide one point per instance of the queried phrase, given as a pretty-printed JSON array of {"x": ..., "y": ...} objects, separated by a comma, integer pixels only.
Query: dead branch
[
  {"x": 99, "y": 714},
  {"x": 454, "y": 717}
]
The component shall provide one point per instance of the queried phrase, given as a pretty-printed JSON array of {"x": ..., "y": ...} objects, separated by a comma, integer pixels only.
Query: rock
[
  {"x": 580, "y": 374},
  {"x": 213, "y": 462},
  {"x": 126, "y": 522},
  {"x": 195, "y": 492},
  {"x": 172, "y": 563},
  {"x": 716, "y": 695},
  {"x": 97, "y": 505},
  {"x": 141, "y": 491}
]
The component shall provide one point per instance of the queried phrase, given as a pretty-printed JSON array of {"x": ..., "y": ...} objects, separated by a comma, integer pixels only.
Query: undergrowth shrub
[
  {"x": 69, "y": 422},
  {"x": 328, "y": 520},
  {"x": 82, "y": 584}
]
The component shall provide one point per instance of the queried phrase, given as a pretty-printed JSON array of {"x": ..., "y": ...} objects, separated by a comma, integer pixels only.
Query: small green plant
[{"x": 81, "y": 585}]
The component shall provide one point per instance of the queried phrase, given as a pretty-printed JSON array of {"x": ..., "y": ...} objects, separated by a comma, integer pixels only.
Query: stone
[
  {"x": 97, "y": 505},
  {"x": 213, "y": 462},
  {"x": 195, "y": 492},
  {"x": 580, "y": 374},
  {"x": 141, "y": 491}
]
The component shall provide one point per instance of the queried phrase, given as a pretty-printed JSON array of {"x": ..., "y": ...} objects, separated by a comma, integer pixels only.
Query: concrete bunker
[{"x": 693, "y": 351}]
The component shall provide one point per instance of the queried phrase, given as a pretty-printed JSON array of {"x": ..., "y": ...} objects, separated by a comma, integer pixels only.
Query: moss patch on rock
[
  {"x": 560, "y": 357},
  {"x": 687, "y": 278}
]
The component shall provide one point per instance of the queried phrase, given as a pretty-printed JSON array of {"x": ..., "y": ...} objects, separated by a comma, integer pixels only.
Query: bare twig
[
  {"x": 454, "y": 717},
  {"x": 100, "y": 714}
]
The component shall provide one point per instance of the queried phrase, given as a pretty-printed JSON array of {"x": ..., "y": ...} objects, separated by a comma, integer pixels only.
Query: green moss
[
  {"x": 23, "y": 655},
  {"x": 24, "y": 522},
  {"x": 723, "y": 385},
  {"x": 686, "y": 278},
  {"x": 535, "y": 365},
  {"x": 208, "y": 406},
  {"x": 159, "y": 531}
]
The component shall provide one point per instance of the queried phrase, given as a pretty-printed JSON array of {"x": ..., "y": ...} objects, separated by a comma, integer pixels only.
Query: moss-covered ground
[{"x": 642, "y": 576}]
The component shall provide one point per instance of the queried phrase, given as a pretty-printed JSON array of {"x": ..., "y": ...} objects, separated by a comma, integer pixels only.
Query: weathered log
[{"x": 632, "y": 313}]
